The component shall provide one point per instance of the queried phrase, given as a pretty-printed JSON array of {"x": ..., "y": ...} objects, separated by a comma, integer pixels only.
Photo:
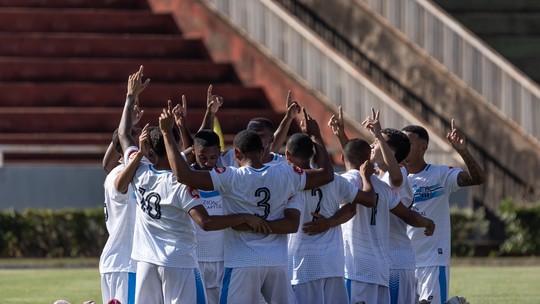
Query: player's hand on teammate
[
  {"x": 213, "y": 102},
  {"x": 135, "y": 84},
  {"x": 429, "y": 228},
  {"x": 293, "y": 108},
  {"x": 373, "y": 124},
  {"x": 166, "y": 119},
  {"x": 367, "y": 169},
  {"x": 456, "y": 138},
  {"x": 318, "y": 225},
  {"x": 258, "y": 224},
  {"x": 309, "y": 126},
  {"x": 180, "y": 112},
  {"x": 144, "y": 142},
  {"x": 336, "y": 123}
]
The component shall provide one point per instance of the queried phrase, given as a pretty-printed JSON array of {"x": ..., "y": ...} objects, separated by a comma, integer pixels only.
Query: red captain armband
[
  {"x": 298, "y": 170},
  {"x": 194, "y": 193},
  {"x": 220, "y": 170}
]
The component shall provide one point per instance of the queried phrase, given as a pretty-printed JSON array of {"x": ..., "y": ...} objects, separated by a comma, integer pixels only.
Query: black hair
[
  {"x": 300, "y": 145},
  {"x": 206, "y": 138},
  {"x": 263, "y": 122},
  {"x": 248, "y": 141},
  {"x": 418, "y": 130},
  {"x": 116, "y": 142},
  {"x": 399, "y": 141},
  {"x": 157, "y": 142},
  {"x": 357, "y": 151}
]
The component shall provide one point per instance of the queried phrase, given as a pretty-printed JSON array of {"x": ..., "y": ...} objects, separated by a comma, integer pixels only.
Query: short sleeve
[
  {"x": 451, "y": 179},
  {"x": 222, "y": 178},
  {"x": 189, "y": 198},
  {"x": 295, "y": 202},
  {"x": 346, "y": 190},
  {"x": 129, "y": 153},
  {"x": 393, "y": 200}
]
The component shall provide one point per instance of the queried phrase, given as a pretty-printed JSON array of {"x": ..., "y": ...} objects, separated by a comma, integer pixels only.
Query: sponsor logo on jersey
[
  {"x": 220, "y": 170},
  {"x": 194, "y": 193},
  {"x": 298, "y": 170}
]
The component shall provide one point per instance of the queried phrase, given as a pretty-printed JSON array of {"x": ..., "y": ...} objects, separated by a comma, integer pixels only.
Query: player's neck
[
  {"x": 416, "y": 167},
  {"x": 162, "y": 164},
  {"x": 267, "y": 157},
  {"x": 251, "y": 162}
]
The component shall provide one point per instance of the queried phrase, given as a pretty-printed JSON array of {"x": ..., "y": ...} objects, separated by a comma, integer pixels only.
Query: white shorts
[
  {"x": 402, "y": 286},
  {"x": 432, "y": 284},
  {"x": 322, "y": 291},
  {"x": 367, "y": 293},
  {"x": 246, "y": 284},
  {"x": 212, "y": 273},
  {"x": 118, "y": 285},
  {"x": 160, "y": 284}
]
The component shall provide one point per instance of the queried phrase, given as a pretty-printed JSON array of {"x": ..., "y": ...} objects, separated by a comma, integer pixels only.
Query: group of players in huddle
[{"x": 189, "y": 223}]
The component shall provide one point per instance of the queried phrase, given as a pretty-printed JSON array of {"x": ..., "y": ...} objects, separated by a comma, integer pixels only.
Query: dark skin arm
[
  {"x": 219, "y": 222},
  {"x": 474, "y": 174},
  {"x": 414, "y": 218},
  {"x": 213, "y": 103},
  {"x": 126, "y": 175},
  {"x": 288, "y": 224},
  {"x": 322, "y": 224},
  {"x": 110, "y": 159},
  {"x": 338, "y": 127},
  {"x": 280, "y": 136}
]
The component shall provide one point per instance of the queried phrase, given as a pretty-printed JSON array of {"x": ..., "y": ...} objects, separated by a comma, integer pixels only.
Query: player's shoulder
[{"x": 285, "y": 167}]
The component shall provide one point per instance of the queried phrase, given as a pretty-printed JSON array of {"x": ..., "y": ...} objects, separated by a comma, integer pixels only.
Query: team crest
[
  {"x": 298, "y": 170},
  {"x": 220, "y": 170},
  {"x": 194, "y": 193}
]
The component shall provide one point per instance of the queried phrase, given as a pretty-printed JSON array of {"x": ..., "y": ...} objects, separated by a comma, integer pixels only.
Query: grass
[{"x": 493, "y": 281}]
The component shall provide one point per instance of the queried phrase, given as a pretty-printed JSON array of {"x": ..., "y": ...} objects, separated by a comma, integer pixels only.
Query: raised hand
[
  {"x": 166, "y": 119},
  {"x": 136, "y": 113},
  {"x": 213, "y": 102},
  {"x": 318, "y": 225},
  {"x": 257, "y": 224},
  {"x": 144, "y": 141},
  {"x": 373, "y": 124},
  {"x": 293, "y": 107},
  {"x": 367, "y": 169},
  {"x": 135, "y": 84},
  {"x": 180, "y": 112},
  {"x": 309, "y": 126},
  {"x": 456, "y": 138},
  {"x": 336, "y": 123}
]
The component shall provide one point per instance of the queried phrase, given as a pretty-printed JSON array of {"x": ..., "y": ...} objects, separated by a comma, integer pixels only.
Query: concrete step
[
  {"x": 114, "y": 70},
  {"x": 85, "y": 21},
  {"x": 20, "y": 95},
  {"x": 101, "y": 46},
  {"x": 489, "y": 5},
  {"x": 486, "y": 24},
  {"x": 55, "y": 138},
  {"x": 117, "y": 4}
]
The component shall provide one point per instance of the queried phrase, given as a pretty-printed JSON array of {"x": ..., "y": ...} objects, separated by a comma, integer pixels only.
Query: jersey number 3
[
  {"x": 150, "y": 204},
  {"x": 265, "y": 193}
]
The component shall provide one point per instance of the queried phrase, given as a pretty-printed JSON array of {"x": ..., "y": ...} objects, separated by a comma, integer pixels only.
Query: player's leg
[
  {"x": 212, "y": 273},
  {"x": 309, "y": 292},
  {"x": 432, "y": 284},
  {"x": 365, "y": 293},
  {"x": 241, "y": 285},
  {"x": 182, "y": 285},
  {"x": 402, "y": 286},
  {"x": 276, "y": 286},
  {"x": 335, "y": 291},
  {"x": 148, "y": 284}
]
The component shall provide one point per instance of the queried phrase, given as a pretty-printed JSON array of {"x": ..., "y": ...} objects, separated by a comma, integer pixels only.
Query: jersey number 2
[{"x": 264, "y": 202}]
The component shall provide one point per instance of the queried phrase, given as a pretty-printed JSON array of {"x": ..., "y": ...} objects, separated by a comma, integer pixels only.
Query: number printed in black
[
  {"x": 150, "y": 204},
  {"x": 317, "y": 192},
  {"x": 105, "y": 212},
  {"x": 265, "y": 193},
  {"x": 373, "y": 221}
]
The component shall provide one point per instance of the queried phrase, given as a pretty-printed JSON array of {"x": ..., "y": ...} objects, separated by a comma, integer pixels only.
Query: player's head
[
  {"x": 397, "y": 141},
  {"x": 419, "y": 139},
  {"x": 356, "y": 152},
  {"x": 206, "y": 149},
  {"x": 157, "y": 142},
  {"x": 135, "y": 132},
  {"x": 265, "y": 129},
  {"x": 299, "y": 149},
  {"x": 247, "y": 143}
]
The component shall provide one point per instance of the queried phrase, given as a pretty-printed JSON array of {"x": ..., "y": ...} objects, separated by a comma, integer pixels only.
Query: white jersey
[
  {"x": 313, "y": 257},
  {"x": 164, "y": 234},
  {"x": 432, "y": 188},
  {"x": 399, "y": 244},
  {"x": 264, "y": 192},
  {"x": 210, "y": 243},
  {"x": 366, "y": 235},
  {"x": 226, "y": 159},
  {"x": 120, "y": 220}
]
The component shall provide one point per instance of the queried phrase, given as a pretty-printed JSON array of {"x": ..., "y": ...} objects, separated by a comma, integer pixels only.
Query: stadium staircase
[{"x": 63, "y": 71}]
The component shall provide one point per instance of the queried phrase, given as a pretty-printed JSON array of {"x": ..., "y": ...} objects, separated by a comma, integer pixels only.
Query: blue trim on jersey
[
  {"x": 442, "y": 283},
  {"x": 348, "y": 285},
  {"x": 131, "y": 288},
  {"x": 275, "y": 156},
  {"x": 422, "y": 194},
  {"x": 208, "y": 194},
  {"x": 201, "y": 299},
  {"x": 260, "y": 170},
  {"x": 427, "y": 167},
  {"x": 158, "y": 171},
  {"x": 225, "y": 286},
  {"x": 393, "y": 284}
]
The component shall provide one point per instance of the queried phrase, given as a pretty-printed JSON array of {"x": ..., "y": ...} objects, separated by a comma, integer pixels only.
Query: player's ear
[{"x": 237, "y": 154}]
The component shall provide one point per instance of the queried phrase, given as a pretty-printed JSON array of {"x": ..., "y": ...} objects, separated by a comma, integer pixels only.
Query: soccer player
[
  {"x": 316, "y": 260},
  {"x": 255, "y": 264},
  {"x": 432, "y": 186},
  {"x": 164, "y": 236}
]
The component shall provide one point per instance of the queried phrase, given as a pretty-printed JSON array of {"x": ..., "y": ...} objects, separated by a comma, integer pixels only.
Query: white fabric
[
  {"x": 212, "y": 274},
  {"x": 366, "y": 235},
  {"x": 432, "y": 188},
  {"x": 116, "y": 285},
  {"x": 210, "y": 243},
  {"x": 402, "y": 286},
  {"x": 399, "y": 244},
  {"x": 226, "y": 159},
  {"x": 433, "y": 283},
  {"x": 313, "y": 257},
  {"x": 120, "y": 221},
  {"x": 164, "y": 234},
  {"x": 264, "y": 192},
  {"x": 367, "y": 293},
  {"x": 322, "y": 291}
]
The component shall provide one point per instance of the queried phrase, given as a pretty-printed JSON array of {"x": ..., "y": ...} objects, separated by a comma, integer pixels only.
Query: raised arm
[
  {"x": 280, "y": 136},
  {"x": 184, "y": 174},
  {"x": 125, "y": 176},
  {"x": 180, "y": 118},
  {"x": 110, "y": 159},
  {"x": 322, "y": 224},
  {"x": 414, "y": 218},
  {"x": 324, "y": 172},
  {"x": 338, "y": 127},
  {"x": 213, "y": 103},
  {"x": 474, "y": 174},
  {"x": 373, "y": 124}
]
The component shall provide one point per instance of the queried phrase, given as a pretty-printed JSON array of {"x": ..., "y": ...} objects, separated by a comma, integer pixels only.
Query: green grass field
[{"x": 480, "y": 284}]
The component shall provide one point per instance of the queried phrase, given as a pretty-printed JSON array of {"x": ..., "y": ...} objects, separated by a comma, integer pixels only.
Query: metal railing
[
  {"x": 325, "y": 69},
  {"x": 512, "y": 94}
]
